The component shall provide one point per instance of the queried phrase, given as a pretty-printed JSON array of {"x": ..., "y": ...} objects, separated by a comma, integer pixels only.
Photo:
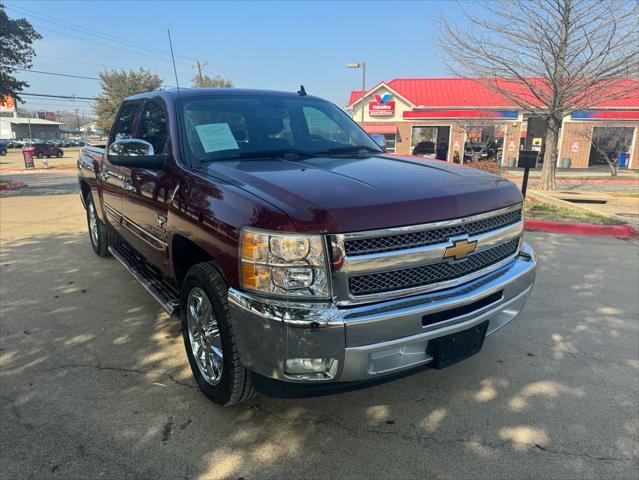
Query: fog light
[{"x": 327, "y": 367}]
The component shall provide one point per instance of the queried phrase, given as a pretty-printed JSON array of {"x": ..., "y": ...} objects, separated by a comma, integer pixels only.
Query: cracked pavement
[{"x": 94, "y": 381}]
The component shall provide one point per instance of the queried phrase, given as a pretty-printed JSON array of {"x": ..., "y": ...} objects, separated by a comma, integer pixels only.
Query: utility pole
[
  {"x": 200, "y": 80},
  {"x": 77, "y": 119}
]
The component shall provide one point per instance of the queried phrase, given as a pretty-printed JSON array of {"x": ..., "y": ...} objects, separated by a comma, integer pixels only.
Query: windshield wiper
[
  {"x": 350, "y": 149},
  {"x": 276, "y": 153}
]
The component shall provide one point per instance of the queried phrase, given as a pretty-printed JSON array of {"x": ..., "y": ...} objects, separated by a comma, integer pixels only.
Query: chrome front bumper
[{"x": 373, "y": 340}]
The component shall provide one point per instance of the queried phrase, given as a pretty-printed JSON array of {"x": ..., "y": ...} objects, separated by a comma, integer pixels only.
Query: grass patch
[
  {"x": 623, "y": 194},
  {"x": 545, "y": 211},
  {"x": 4, "y": 181}
]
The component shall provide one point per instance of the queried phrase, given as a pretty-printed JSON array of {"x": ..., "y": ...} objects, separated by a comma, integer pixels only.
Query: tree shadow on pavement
[{"x": 94, "y": 382}]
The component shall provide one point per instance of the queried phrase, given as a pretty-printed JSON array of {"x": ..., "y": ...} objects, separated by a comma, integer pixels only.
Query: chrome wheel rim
[
  {"x": 204, "y": 336},
  {"x": 93, "y": 224}
]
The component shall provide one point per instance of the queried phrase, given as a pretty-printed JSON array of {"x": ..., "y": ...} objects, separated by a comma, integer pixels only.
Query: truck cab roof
[{"x": 174, "y": 94}]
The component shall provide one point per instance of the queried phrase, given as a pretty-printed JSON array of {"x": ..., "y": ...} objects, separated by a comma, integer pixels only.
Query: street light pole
[
  {"x": 363, "y": 89},
  {"x": 361, "y": 65}
]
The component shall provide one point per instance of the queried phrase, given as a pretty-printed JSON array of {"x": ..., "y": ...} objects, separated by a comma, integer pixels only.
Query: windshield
[{"x": 219, "y": 128}]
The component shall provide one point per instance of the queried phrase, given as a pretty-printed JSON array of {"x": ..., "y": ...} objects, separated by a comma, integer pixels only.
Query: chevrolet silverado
[{"x": 294, "y": 249}]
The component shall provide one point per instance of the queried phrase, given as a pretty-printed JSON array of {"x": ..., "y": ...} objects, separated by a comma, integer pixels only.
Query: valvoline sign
[{"x": 383, "y": 105}]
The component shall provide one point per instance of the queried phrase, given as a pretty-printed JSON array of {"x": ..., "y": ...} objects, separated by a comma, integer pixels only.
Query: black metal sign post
[{"x": 527, "y": 160}]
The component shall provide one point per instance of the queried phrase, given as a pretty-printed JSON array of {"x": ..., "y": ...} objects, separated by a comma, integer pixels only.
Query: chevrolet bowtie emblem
[{"x": 460, "y": 249}]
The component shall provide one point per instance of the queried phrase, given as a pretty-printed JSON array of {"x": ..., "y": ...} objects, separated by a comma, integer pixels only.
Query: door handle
[{"x": 127, "y": 186}]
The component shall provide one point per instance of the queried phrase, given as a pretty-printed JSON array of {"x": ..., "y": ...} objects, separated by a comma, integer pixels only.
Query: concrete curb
[
  {"x": 619, "y": 231},
  {"x": 38, "y": 170},
  {"x": 596, "y": 181},
  {"x": 12, "y": 185},
  {"x": 558, "y": 202}
]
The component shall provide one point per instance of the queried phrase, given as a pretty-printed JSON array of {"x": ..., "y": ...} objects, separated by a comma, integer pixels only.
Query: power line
[
  {"x": 106, "y": 66},
  {"x": 114, "y": 38},
  {"x": 94, "y": 32},
  {"x": 71, "y": 97},
  {"x": 109, "y": 46},
  {"x": 50, "y": 73}
]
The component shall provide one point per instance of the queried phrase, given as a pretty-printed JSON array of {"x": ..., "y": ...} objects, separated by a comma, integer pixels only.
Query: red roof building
[{"x": 448, "y": 118}]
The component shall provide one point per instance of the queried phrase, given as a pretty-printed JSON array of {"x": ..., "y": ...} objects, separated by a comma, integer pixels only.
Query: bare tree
[
  {"x": 549, "y": 57},
  {"x": 609, "y": 147}
]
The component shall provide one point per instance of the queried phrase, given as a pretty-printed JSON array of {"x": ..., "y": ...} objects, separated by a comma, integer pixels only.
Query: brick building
[{"x": 443, "y": 118}]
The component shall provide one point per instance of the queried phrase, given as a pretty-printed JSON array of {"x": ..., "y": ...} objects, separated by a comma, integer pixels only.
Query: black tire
[
  {"x": 3, "y": 153},
  {"x": 100, "y": 238},
  {"x": 235, "y": 384},
  {"x": 59, "y": 154},
  {"x": 39, "y": 155}
]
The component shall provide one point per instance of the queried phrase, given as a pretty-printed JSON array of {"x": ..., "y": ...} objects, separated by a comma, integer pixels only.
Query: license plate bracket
[{"x": 456, "y": 347}]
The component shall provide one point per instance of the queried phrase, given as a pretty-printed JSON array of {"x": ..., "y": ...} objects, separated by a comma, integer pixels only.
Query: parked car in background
[
  {"x": 431, "y": 150},
  {"x": 11, "y": 142},
  {"x": 479, "y": 151},
  {"x": 426, "y": 149},
  {"x": 43, "y": 149}
]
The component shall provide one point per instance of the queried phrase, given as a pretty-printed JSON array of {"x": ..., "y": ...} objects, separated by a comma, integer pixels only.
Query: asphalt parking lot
[{"x": 94, "y": 381}]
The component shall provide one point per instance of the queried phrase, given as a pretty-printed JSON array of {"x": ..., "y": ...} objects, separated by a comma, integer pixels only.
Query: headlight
[{"x": 283, "y": 263}]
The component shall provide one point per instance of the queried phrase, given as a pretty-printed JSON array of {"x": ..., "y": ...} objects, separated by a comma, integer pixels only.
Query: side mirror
[
  {"x": 379, "y": 139},
  {"x": 135, "y": 153}
]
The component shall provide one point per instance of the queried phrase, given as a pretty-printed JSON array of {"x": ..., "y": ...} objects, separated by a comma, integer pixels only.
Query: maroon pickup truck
[{"x": 296, "y": 252}]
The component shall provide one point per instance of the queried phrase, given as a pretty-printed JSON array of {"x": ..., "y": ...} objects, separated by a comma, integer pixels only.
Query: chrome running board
[{"x": 165, "y": 294}]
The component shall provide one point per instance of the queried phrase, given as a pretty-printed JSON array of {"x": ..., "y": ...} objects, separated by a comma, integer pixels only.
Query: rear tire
[
  {"x": 59, "y": 154},
  {"x": 98, "y": 234},
  {"x": 39, "y": 155},
  {"x": 209, "y": 339}
]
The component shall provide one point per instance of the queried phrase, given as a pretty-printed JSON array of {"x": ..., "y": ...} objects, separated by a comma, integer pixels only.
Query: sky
[{"x": 259, "y": 44}]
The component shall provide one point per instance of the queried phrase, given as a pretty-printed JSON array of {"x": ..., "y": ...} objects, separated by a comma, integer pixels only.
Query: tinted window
[
  {"x": 123, "y": 126},
  {"x": 153, "y": 126}
]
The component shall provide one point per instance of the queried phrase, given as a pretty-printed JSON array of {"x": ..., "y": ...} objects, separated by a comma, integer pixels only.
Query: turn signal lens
[
  {"x": 254, "y": 246},
  {"x": 283, "y": 263},
  {"x": 256, "y": 276}
]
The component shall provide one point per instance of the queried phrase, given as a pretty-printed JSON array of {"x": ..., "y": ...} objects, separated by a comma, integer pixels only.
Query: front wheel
[
  {"x": 98, "y": 234},
  {"x": 209, "y": 339},
  {"x": 39, "y": 155}
]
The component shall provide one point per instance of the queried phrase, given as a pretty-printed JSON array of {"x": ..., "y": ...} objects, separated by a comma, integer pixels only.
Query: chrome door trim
[
  {"x": 141, "y": 233},
  {"x": 112, "y": 212}
]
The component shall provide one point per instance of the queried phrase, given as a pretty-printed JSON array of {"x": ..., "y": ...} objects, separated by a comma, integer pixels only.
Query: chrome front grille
[
  {"x": 434, "y": 273},
  {"x": 395, "y": 262},
  {"x": 366, "y": 246}
]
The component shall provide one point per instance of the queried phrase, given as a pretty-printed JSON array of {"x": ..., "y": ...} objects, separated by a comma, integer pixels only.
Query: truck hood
[{"x": 338, "y": 195}]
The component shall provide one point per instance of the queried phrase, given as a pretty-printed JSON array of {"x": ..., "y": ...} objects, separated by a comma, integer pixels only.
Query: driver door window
[
  {"x": 153, "y": 127},
  {"x": 123, "y": 126},
  {"x": 320, "y": 124}
]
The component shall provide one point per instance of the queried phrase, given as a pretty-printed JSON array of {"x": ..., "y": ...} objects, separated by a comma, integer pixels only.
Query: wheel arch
[
  {"x": 185, "y": 253},
  {"x": 85, "y": 190}
]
